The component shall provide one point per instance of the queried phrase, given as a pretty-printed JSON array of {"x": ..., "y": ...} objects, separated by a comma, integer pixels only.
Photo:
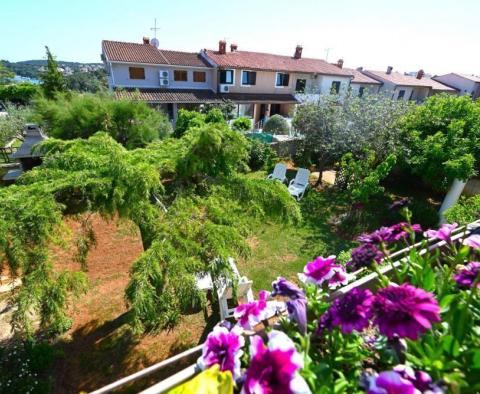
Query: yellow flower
[{"x": 211, "y": 381}]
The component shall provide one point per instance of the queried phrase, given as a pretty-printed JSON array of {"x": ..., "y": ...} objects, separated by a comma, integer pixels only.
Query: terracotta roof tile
[
  {"x": 271, "y": 62},
  {"x": 160, "y": 95},
  {"x": 359, "y": 77},
  {"x": 130, "y": 52},
  {"x": 399, "y": 79}
]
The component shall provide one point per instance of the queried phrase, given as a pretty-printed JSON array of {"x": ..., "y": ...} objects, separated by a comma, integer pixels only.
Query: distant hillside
[{"x": 32, "y": 68}]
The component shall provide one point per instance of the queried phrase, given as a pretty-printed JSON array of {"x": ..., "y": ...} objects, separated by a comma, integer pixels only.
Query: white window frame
[
  {"x": 233, "y": 78},
  {"x": 241, "y": 77},
  {"x": 275, "y": 82}
]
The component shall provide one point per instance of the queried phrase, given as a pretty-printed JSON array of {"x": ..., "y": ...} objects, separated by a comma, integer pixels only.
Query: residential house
[
  {"x": 265, "y": 84},
  {"x": 362, "y": 83},
  {"x": 407, "y": 87},
  {"x": 166, "y": 79},
  {"x": 465, "y": 84}
]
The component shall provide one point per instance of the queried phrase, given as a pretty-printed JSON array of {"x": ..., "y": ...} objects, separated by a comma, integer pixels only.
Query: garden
[{"x": 175, "y": 202}]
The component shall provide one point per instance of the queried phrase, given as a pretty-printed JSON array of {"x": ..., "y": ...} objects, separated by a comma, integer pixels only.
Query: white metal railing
[{"x": 189, "y": 372}]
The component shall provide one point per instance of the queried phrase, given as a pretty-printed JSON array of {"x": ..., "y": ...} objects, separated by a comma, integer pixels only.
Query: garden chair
[
  {"x": 298, "y": 185},
  {"x": 244, "y": 290},
  {"x": 279, "y": 173}
]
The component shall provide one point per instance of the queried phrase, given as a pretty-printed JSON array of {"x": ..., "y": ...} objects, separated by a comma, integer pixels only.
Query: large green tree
[
  {"x": 6, "y": 75},
  {"x": 442, "y": 139},
  {"x": 52, "y": 79}
]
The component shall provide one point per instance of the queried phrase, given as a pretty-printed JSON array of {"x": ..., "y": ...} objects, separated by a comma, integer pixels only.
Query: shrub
[
  {"x": 464, "y": 211},
  {"x": 227, "y": 108},
  {"x": 20, "y": 93},
  {"x": 276, "y": 125},
  {"x": 242, "y": 124},
  {"x": 261, "y": 156},
  {"x": 132, "y": 123},
  {"x": 214, "y": 116},
  {"x": 186, "y": 120},
  {"x": 11, "y": 126}
]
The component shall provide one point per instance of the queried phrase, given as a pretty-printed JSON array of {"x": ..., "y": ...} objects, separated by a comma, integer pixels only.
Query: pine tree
[
  {"x": 6, "y": 75},
  {"x": 52, "y": 79}
]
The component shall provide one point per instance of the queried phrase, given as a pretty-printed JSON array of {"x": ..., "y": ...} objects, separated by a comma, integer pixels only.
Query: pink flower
[
  {"x": 444, "y": 233},
  {"x": 473, "y": 241},
  {"x": 466, "y": 276},
  {"x": 223, "y": 347},
  {"x": 252, "y": 313},
  {"x": 324, "y": 270},
  {"x": 274, "y": 367}
]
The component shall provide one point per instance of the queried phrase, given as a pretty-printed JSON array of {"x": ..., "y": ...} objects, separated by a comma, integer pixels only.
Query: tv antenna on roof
[{"x": 154, "y": 40}]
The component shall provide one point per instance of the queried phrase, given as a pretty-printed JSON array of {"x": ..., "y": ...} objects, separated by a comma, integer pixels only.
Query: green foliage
[
  {"x": 212, "y": 150},
  {"x": 131, "y": 123},
  {"x": 19, "y": 93},
  {"x": 187, "y": 120},
  {"x": 276, "y": 124},
  {"x": 261, "y": 156},
  {"x": 362, "y": 177},
  {"x": 442, "y": 139},
  {"x": 52, "y": 79},
  {"x": 333, "y": 127},
  {"x": 465, "y": 211},
  {"x": 5, "y": 74},
  {"x": 227, "y": 107},
  {"x": 87, "y": 81},
  {"x": 242, "y": 124},
  {"x": 11, "y": 126},
  {"x": 215, "y": 115}
]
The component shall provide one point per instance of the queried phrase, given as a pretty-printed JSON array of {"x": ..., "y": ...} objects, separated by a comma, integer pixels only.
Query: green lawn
[{"x": 283, "y": 250}]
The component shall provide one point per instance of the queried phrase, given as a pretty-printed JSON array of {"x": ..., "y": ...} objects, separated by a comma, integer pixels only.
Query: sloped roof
[
  {"x": 271, "y": 62},
  {"x": 259, "y": 98},
  {"x": 400, "y": 79},
  {"x": 161, "y": 95},
  {"x": 473, "y": 78},
  {"x": 359, "y": 77},
  {"x": 130, "y": 52}
]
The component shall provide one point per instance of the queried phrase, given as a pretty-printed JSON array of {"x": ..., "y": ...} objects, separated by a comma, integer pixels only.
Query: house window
[
  {"x": 136, "y": 72},
  {"x": 245, "y": 110},
  {"x": 335, "y": 88},
  {"x": 282, "y": 80},
  {"x": 199, "y": 76},
  {"x": 361, "y": 90},
  {"x": 249, "y": 78},
  {"x": 226, "y": 77},
  {"x": 300, "y": 85},
  {"x": 180, "y": 75},
  {"x": 401, "y": 94}
]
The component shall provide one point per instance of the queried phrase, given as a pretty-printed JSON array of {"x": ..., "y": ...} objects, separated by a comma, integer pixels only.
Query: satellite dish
[{"x": 154, "y": 42}]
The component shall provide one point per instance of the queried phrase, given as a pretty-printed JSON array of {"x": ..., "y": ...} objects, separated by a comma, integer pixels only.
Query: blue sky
[{"x": 438, "y": 36}]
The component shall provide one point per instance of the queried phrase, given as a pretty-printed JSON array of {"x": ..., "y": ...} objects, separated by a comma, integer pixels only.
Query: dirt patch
[
  {"x": 288, "y": 257},
  {"x": 252, "y": 242}
]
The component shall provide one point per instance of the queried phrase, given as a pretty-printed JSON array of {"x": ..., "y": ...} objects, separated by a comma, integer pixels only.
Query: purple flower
[
  {"x": 465, "y": 277},
  {"x": 390, "y": 382},
  {"x": 324, "y": 270},
  {"x": 274, "y": 368},
  {"x": 364, "y": 256},
  {"x": 223, "y": 347},
  {"x": 383, "y": 234},
  {"x": 398, "y": 204},
  {"x": 443, "y": 233},
  {"x": 297, "y": 310},
  {"x": 405, "y": 311},
  {"x": 284, "y": 288},
  {"x": 402, "y": 229},
  {"x": 324, "y": 323},
  {"x": 252, "y": 313},
  {"x": 473, "y": 241},
  {"x": 421, "y": 380},
  {"x": 352, "y": 311}
]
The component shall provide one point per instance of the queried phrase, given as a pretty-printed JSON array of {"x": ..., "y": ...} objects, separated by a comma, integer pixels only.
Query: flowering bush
[{"x": 414, "y": 328}]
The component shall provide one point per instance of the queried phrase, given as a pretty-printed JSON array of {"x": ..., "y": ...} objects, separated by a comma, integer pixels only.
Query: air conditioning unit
[
  {"x": 224, "y": 88},
  {"x": 164, "y": 82},
  {"x": 163, "y": 74},
  {"x": 164, "y": 78}
]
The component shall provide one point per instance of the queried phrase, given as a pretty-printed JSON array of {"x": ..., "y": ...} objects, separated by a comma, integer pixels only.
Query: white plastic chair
[
  {"x": 298, "y": 185},
  {"x": 244, "y": 290},
  {"x": 279, "y": 173}
]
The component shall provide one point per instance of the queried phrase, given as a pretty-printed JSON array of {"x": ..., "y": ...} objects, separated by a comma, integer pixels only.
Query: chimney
[
  {"x": 389, "y": 69},
  {"x": 146, "y": 40},
  {"x": 340, "y": 63},
  {"x": 420, "y": 74},
  {"x": 222, "y": 47},
  {"x": 233, "y": 47},
  {"x": 360, "y": 69},
  {"x": 298, "y": 52}
]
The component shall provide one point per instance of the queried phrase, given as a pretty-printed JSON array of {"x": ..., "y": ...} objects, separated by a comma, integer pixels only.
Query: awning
[
  {"x": 260, "y": 98},
  {"x": 160, "y": 95}
]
